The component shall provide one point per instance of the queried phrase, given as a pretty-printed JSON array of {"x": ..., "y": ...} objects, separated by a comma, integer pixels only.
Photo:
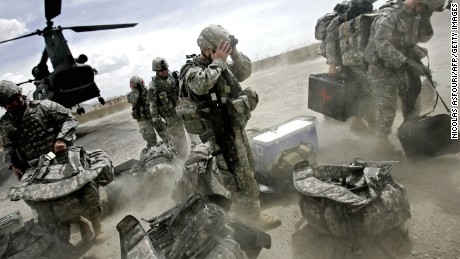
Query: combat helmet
[
  {"x": 159, "y": 64},
  {"x": 136, "y": 80},
  {"x": 8, "y": 90},
  {"x": 210, "y": 36}
]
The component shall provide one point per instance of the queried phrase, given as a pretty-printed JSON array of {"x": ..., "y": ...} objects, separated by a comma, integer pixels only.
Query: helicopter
[{"x": 72, "y": 81}]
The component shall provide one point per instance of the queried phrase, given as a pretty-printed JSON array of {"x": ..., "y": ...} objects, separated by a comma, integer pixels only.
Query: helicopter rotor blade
[
  {"x": 23, "y": 36},
  {"x": 99, "y": 27},
  {"x": 52, "y": 9}
]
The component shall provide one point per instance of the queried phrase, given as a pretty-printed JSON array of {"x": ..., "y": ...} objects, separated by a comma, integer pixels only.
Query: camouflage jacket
[
  {"x": 202, "y": 77},
  {"x": 139, "y": 101},
  {"x": 395, "y": 33},
  {"x": 163, "y": 95},
  {"x": 34, "y": 133}
]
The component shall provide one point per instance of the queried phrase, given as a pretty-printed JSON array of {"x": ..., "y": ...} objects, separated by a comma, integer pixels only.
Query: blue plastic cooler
[{"x": 268, "y": 145}]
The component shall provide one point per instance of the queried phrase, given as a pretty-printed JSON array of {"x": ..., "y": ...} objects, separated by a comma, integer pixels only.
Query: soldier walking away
[
  {"x": 162, "y": 97},
  {"x": 223, "y": 110},
  {"x": 31, "y": 128},
  {"x": 356, "y": 74},
  {"x": 141, "y": 112},
  {"x": 394, "y": 35}
]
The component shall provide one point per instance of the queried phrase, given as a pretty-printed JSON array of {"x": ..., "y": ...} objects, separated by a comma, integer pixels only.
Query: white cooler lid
[{"x": 283, "y": 130}]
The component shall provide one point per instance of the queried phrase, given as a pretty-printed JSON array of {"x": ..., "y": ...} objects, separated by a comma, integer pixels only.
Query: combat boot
[
  {"x": 86, "y": 229},
  {"x": 383, "y": 145},
  {"x": 100, "y": 234},
  {"x": 265, "y": 221}
]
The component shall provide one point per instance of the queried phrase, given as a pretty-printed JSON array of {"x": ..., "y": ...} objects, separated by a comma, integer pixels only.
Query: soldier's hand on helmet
[
  {"x": 418, "y": 67},
  {"x": 59, "y": 146},
  {"x": 18, "y": 172},
  {"x": 223, "y": 50}
]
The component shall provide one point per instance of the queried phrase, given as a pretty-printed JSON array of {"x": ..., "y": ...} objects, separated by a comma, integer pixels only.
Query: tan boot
[
  {"x": 86, "y": 229},
  {"x": 383, "y": 145},
  {"x": 266, "y": 221},
  {"x": 100, "y": 234}
]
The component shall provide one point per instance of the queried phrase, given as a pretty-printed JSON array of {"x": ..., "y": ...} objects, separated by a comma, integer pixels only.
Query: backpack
[
  {"x": 34, "y": 240},
  {"x": 348, "y": 200},
  {"x": 353, "y": 38},
  {"x": 187, "y": 107},
  {"x": 197, "y": 227},
  {"x": 321, "y": 25},
  {"x": 55, "y": 178}
]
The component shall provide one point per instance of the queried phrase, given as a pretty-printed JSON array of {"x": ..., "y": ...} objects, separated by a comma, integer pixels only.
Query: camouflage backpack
[
  {"x": 57, "y": 177},
  {"x": 195, "y": 228},
  {"x": 187, "y": 106},
  {"x": 346, "y": 200},
  {"x": 34, "y": 240}
]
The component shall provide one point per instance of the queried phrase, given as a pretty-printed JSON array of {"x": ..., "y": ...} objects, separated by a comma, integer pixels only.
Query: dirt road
[{"x": 433, "y": 185}]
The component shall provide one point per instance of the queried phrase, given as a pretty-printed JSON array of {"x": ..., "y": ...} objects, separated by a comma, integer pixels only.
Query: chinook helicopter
[{"x": 72, "y": 81}]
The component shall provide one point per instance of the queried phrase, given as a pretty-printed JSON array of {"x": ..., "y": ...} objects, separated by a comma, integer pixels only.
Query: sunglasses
[
  {"x": 8, "y": 100},
  {"x": 162, "y": 70}
]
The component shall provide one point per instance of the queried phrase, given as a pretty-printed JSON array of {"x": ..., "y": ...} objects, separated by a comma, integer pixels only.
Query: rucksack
[
  {"x": 34, "y": 240},
  {"x": 321, "y": 25},
  {"x": 197, "y": 227},
  {"x": 348, "y": 200},
  {"x": 187, "y": 107}
]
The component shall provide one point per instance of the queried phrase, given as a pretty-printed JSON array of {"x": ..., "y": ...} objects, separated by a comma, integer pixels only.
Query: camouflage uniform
[
  {"x": 356, "y": 75},
  {"x": 141, "y": 113},
  {"x": 27, "y": 137},
  {"x": 200, "y": 77},
  {"x": 162, "y": 97},
  {"x": 394, "y": 34}
]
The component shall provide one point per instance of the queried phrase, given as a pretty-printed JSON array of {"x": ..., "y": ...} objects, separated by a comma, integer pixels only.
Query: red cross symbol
[{"x": 324, "y": 96}]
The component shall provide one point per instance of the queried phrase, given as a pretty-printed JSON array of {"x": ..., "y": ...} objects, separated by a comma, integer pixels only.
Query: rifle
[{"x": 222, "y": 132}]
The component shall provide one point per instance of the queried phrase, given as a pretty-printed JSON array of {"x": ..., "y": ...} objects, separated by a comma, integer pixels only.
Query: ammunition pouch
[
  {"x": 240, "y": 108},
  {"x": 188, "y": 111},
  {"x": 141, "y": 113}
]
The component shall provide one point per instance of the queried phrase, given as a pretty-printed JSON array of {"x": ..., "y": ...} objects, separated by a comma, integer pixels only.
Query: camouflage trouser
[
  {"x": 365, "y": 105},
  {"x": 148, "y": 131},
  {"x": 245, "y": 191},
  {"x": 65, "y": 211},
  {"x": 177, "y": 132},
  {"x": 386, "y": 84}
]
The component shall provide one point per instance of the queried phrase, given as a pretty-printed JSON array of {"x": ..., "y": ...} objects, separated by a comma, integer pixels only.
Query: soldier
[
  {"x": 162, "y": 96},
  {"x": 32, "y": 128},
  {"x": 394, "y": 35},
  {"x": 141, "y": 112},
  {"x": 356, "y": 74},
  {"x": 224, "y": 109}
]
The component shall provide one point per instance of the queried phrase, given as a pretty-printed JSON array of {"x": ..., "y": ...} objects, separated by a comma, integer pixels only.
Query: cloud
[
  {"x": 109, "y": 63},
  {"x": 11, "y": 28}
]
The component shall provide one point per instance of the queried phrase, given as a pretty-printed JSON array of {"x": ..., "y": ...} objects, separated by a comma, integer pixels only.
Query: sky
[{"x": 166, "y": 29}]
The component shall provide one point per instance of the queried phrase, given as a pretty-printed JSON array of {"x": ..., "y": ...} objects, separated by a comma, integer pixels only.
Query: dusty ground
[{"x": 433, "y": 185}]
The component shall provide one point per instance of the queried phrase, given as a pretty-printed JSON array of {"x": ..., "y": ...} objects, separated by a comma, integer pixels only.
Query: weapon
[{"x": 222, "y": 132}]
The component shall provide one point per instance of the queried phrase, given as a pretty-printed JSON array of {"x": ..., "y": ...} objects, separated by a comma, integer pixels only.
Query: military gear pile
[
  {"x": 63, "y": 175},
  {"x": 350, "y": 200},
  {"x": 34, "y": 240},
  {"x": 196, "y": 228}
]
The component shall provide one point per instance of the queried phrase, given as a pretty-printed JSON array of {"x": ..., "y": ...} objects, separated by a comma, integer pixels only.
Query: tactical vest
[
  {"x": 141, "y": 111},
  {"x": 35, "y": 132},
  {"x": 192, "y": 107},
  {"x": 167, "y": 91}
]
